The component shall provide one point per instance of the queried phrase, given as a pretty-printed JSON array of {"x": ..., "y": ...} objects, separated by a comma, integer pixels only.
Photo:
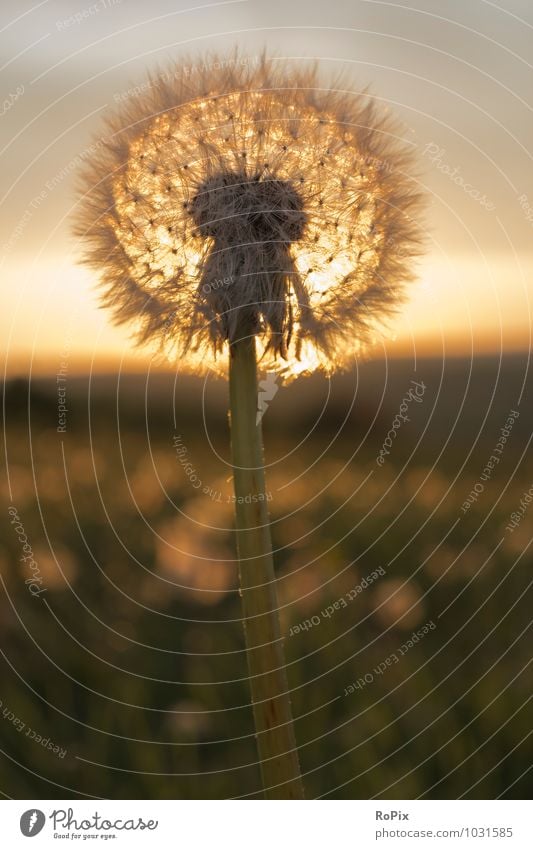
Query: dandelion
[{"x": 245, "y": 212}]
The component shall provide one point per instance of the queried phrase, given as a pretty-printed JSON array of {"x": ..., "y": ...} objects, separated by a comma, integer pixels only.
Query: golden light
[{"x": 253, "y": 194}]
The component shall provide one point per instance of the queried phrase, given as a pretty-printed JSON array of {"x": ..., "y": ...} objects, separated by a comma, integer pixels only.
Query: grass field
[{"x": 121, "y": 639}]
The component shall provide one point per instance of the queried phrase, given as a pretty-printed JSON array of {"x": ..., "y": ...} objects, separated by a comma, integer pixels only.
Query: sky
[{"x": 456, "y": 74}]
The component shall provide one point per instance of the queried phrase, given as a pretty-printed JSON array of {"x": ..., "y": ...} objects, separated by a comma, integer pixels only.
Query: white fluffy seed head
[{"x": 300, "y": 198}]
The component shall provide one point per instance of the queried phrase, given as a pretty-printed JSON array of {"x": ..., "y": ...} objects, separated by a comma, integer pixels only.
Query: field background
[{"x": 132, "y": 660}]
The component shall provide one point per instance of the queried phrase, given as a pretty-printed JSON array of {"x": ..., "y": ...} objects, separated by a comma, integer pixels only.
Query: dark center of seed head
[{"x": 236, "y": 209}]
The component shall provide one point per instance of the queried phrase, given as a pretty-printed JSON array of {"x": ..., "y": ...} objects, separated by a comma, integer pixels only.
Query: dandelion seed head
[{"x": 301, "y": 198}]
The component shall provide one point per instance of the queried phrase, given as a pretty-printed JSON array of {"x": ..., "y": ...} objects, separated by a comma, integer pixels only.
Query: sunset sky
[{"x": 459, "y": 76}]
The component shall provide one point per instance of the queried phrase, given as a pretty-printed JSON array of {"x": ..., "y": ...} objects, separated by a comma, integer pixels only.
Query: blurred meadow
[{"x": 131, "y": 658}]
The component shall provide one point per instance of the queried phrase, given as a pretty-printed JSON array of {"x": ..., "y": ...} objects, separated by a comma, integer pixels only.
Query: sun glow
[{"x": 259, "y": 204}]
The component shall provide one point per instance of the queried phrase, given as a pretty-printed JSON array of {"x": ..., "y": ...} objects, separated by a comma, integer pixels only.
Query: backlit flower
[{"x": 244, "y": 198}]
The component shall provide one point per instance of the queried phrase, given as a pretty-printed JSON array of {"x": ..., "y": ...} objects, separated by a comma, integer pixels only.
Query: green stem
[{"x": 264, "y": 646}]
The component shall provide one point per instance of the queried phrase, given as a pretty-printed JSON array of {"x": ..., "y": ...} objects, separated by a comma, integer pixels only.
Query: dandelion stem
[{"x": 264, "y": 646}]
